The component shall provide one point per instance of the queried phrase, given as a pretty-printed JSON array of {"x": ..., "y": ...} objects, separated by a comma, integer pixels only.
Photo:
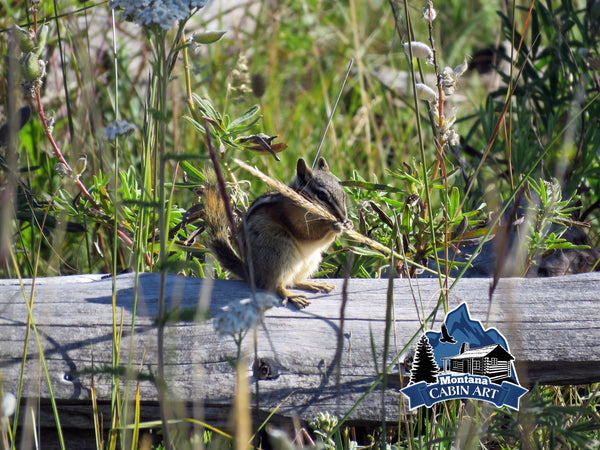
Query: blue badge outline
[{"x": 466, "y": 385}]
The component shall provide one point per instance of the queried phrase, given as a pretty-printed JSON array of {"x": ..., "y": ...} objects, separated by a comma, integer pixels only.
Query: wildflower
[
  {"x": 419, "y": 50},
  {"x": 424, "y": 92},
  {"x": 446, "y": 134},
  {"x": 239, "y": 79},
  {"x": 452, "y": 138},
  {"x": 163, "y": 13},
  {"x": 235, "y": 318},
  {"x": 324, "y": 422},
  {"x": 240, "y": 316},
  {"x": 450, "y": 116},
  {"x": 117, "y": 128},
  {"x": 448, "y": 80}
]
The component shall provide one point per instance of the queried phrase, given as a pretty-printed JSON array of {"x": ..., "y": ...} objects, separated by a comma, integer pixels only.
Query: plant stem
[
  {"x": 427, "y": 204},
  {"x": 439, "y": 146},
  {"x": 163, "y": 78}
]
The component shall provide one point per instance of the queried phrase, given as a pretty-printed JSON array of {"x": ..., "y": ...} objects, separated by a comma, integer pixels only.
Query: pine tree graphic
[{"x": 424, "y": 366}]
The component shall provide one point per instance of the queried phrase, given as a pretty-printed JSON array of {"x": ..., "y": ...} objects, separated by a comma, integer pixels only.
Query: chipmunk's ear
[
  {"x": 303, "y": 172},
  {"x": 322, "y": 164}
]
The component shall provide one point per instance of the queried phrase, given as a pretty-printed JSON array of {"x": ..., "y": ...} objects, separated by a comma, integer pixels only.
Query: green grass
[{"x": 407, "y": 190}]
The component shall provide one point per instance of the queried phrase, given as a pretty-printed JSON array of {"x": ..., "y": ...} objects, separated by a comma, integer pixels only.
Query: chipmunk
[{"x": 283, "y": 242}]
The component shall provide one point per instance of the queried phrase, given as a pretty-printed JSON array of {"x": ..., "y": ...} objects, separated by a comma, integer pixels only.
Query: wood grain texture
[{"x": 551, "y": 324}]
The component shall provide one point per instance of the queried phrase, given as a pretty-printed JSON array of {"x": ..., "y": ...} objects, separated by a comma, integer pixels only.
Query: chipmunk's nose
[{"x": 339, "y": 211}]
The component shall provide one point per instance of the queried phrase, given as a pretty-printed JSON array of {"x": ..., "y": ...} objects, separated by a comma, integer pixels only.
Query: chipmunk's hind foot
[
  {"x": 299, "y": 301},
  {"x": 314, "y": 286}
]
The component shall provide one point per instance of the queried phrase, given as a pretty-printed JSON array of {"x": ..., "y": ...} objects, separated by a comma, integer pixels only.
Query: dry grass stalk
[
  {"x": 318, "y": 210},
  {"x": 315, "y": 209}
]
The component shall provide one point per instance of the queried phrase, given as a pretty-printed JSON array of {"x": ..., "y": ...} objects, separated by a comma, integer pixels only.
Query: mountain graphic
[{"x": 464, "y": 329}]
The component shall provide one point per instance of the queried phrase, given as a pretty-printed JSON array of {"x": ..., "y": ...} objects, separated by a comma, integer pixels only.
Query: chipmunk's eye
[{"x": 322, "y": 196}]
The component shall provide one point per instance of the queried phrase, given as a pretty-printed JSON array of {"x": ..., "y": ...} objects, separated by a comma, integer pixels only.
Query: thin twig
[
  {"x": 337, "y": 100},
  {"x": 58, "y": 153}
]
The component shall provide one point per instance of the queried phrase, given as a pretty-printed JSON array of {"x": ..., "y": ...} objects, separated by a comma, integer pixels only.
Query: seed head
[
  {"x": 25, "y": 39},
  {"x": 462, "y": 68},
  {"x": 424, "y": 92},
  {"x": 32, "y": 68},
  {"x": 419, "y": 50},
  {"x": 429, "y": 14},
  {"x": 208, "y": 37}
]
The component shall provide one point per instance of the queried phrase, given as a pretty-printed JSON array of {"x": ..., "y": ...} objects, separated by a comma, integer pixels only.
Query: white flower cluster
[
  {"x": 241, "y": 315},
  {"x": 117, "y": 128},
  {"x": 163, "y": 13}
]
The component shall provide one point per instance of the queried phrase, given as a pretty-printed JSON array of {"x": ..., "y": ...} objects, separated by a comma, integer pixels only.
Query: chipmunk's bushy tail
[{"x": 219, "y": 240}]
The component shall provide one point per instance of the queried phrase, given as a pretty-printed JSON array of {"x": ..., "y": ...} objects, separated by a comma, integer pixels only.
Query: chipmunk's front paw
[
  {"x": 299, "y": 301},
  {"x": 339, "y": 227}
]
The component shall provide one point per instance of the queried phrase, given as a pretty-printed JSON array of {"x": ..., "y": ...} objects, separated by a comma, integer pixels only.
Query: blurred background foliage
[{"x": 286, "y": 62}]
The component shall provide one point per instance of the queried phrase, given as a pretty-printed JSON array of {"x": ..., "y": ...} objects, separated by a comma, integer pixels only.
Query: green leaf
[
  {"x": 242, "y": 128},
  {"x": 393, "y": 203},
  {"x": 244, "y": 117},
  {"x": 184, "y": 156},
  {"x": 454, "y": 203},
  {"x": 371, "y": 186},
  {"x": 192, "y": 171},
  {"x": 207, "y": 108},
  {"x": 195, "y": 123}
]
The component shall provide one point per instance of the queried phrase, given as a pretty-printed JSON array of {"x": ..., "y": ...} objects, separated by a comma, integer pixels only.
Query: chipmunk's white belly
[{"x": 309, "y": 254}]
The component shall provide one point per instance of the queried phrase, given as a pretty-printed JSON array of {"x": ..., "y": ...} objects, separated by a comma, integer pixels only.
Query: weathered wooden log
[{"x": 551, "y": 324}]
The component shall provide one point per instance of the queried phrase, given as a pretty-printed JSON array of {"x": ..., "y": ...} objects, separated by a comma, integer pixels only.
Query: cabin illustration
[{"x": 491, "y": 361}]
